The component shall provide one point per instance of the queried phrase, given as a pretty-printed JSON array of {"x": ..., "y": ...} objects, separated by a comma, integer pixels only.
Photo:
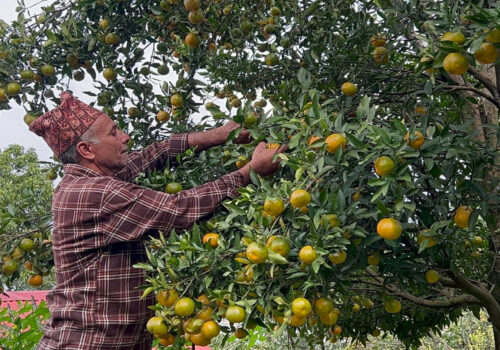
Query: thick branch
[
  {"x": 488, "y": 83},
  {"x": 460, "y": 300},
  {"x": 476, "y": 91}
]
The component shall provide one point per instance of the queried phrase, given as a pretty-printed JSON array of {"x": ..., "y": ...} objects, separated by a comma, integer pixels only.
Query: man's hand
[
  {"x": 262, "y": 161},
  {"x": 242, "y": 138}
]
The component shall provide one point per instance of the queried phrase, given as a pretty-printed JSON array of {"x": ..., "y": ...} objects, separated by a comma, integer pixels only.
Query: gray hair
[{"x": 71, "y": 154}]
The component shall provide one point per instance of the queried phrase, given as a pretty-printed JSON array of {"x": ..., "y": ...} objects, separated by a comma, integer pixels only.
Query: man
[{"x": 101, "y": 220}]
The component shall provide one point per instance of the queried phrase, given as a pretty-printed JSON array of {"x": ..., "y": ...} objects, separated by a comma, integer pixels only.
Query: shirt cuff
[
  {"x": 234, "y": 181},
  {"x": 178, "y": 144}
]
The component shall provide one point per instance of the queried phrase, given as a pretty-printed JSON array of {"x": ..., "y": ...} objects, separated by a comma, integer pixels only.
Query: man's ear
[{"x": 85, "y": 150}]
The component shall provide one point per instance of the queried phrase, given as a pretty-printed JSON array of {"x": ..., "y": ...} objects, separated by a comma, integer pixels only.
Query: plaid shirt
[{"x": 100, "y": 223}]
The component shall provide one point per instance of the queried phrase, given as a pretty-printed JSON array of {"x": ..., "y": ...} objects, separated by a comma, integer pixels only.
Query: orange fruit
[
  {"x": 210, "y": 329},
  {"x": 13, "y": 89},
  {"x": 163, "y": 116},
  {"x": 235, "y": 314},
  {"x": 392, "y": 306},
  {"x": 323, "y": 306},
  {"x": 330, "y": 221},
  {"x": 278, "y": 245},
  {"x": 381, "y": 55},
  {"x": 456, "y": 37},
  {"x": 192, "y": 40},
  {"x": 35, "y": 280},
  {"x": 203, "y": 299},
  {"x": 28, "y": 265},
  {"x": 274, "y": 206},
  {"x": 157, "y": 326},
  {"x": 338, "y": 257},
  {"x": 257, "y": 252},
  {"x": 167, "y": 340},
  {"x": 240, "y": 333},
  {"x": 9, "y": 267},
  {"x": 192, "y": 5},
  {"x": 297, "y": 321},
  {"x": 199, "y": 339},
  {"x": 307, "y": 254},
  {"x": 176, "y": 100},
  {"x": 477, "y": 241},
  {"x": 47, "y": 70},
  {"x": 384, "y": 165},
  {"x": 462, "y": 216},
  {"x": 173, "y": 187},
  {"x": 455, "y": 63},
  {"x": 205, "y": 314},
  {"x": 329, "y": 318},
  {"x": 334, "y": 142},
  {"x": 272, "y": 59},
  {"x": 389, "y": 228},
  {"x": 167, "y": 297},
  {"x": 104, "y": 23},
  {"x": 112, "y": 39},
  {"x": 184, "y": 307},
  {"x": 493, "y": 36},
  {"x": 423, "y": 236},
  {"x": 486, "y": 54},
  {"x": 421, "y": 110},
  {"x": 349, "y": 89},
  {"x": 195, "y": 17},
  {"x": 109, "y": 74},
  {"x": 301, "y": 307},
  {"x": 416, "y": 140},
  {"x": 312, "y": 140},
  {"x": 26, "y": 245},
  {"x": 272, "y": 145},
  {"x": 375, "y": 333},
  {"x": 27, "y": 75},
  {"x": 378, "y": 40},
  {"x": 432, "y": 276},
  {"x": 211, "y": 237},
  {"x": 300, "y": 198},
  {"x": 337, "y": 330}
]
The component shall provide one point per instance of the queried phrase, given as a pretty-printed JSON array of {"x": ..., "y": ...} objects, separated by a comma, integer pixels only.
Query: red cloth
[
  {"x": 100, "y": 223},
  {"x": 63, "y": 126}
]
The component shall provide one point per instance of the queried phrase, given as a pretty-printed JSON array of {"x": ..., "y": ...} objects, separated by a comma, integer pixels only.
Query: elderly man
[{"x": 101, "y": 220}]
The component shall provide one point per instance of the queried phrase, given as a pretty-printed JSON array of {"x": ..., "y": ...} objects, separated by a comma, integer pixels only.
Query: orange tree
[{"x": 384, "y": 214}]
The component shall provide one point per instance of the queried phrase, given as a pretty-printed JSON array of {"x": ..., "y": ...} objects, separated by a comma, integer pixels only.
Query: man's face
[{"x": 111, "y": 152}]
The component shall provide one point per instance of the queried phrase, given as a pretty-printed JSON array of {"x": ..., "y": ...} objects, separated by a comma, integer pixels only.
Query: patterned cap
[{"x": 63, "y": 126}]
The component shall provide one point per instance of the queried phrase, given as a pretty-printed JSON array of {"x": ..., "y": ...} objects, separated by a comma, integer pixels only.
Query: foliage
[
  {"x": 25, "y": 197},
  {"x": 283, "y": 63},
  {"x": 21, "y": 328}
]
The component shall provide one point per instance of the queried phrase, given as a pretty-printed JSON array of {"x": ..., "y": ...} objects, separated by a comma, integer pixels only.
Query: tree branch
[
  {"x": 476, "y": 91},
  {"x": 489, "y": 84}
]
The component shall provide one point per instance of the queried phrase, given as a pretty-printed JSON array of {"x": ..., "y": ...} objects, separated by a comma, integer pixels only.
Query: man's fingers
[
  {"x": 282, "y": 149},
  {"x": 260, "y": 147}
]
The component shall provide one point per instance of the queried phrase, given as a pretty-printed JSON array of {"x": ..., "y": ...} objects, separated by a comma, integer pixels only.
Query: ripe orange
[
  {"x": 211, "y": 237},
  {"x": 384, "y": 165},
  {"x": 210, "y": 329},
  {"x": 334, "y": 142},
  {"x": 378, "y": 40},
  {"x": 323, "y": 306},
  {"x": 423, "y": 235},
  {"x": 163, "y": 116},
  {"x": 301, "y": 307},
  {"x": 432, "y": 276},
  {"x": 205, "y": 314},
  {"x": 26, "y": 245},
  {"x": 381, "y": 55},
  {"x": 240, "y": 333},
  {"x": 278, "y": 245},
  {"x": 235, "y": 314},
  {"x": 199, "y": 339},
  {"x": 257, "y": 252},
  {"x": 329, "y": 318},
  {"x": 273, "y": 145},
  {"x": 337, "y": 330},
  {"x": 35, "y": 280},
  {"x": 28, "y": 265},
  {"x": 300, "y": 198},
  {"x": 416, "y": 140},
  {"x": 274, "y": 206},
  {"x": 157, "y": 326},
  {"x": 3, "y": 95},
  {"x": 421, "y": 110},
  {"x": 176, "y": 100},
  {"x": 184, "y": 307},
  {"x": 338, "y": 257},
  {"x": 167, "y": 297},
  {"x": 169, "y": 339},
  {"x": 241, "y": 162},
  {"x": 297, "y": 321},
  {"x": 173, "y": 187},
  {"x": 389, "y": 228},
  {"x": 349, "y": 89},
  {"x": 192, "y": 40},
  {"x": 486, "y": 54},
  {"x": 456, "y": 37},
  {"x": 455, "y": 63},
  {"x": 196, "y": 17},
  {"x": 392, "y": 306},
  {"x": 307, "y": 254},
  {"x": 462, "y": 216}
]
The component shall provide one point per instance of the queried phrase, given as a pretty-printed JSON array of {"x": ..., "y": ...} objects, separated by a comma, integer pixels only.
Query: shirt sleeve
[
  {"x": 153, "y": 156},
  {"x": 130, "y": 212}
]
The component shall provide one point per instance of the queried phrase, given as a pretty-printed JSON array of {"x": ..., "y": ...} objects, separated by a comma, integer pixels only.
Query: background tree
[{"x": 395, "y": 217}]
